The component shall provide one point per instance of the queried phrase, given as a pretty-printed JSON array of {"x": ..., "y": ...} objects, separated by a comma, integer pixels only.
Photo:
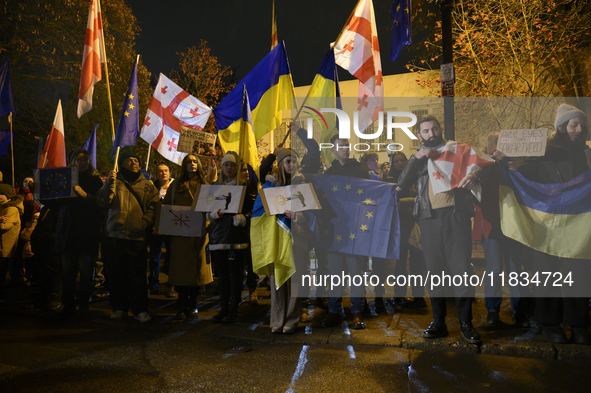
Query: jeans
[{"x": 74, "y": 261}]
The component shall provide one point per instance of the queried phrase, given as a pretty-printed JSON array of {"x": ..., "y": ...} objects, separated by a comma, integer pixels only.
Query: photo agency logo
[{"x": 392, "y": 122}]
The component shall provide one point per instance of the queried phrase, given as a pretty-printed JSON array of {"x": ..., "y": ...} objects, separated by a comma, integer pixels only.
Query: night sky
[{"x": 239, "y": 32}]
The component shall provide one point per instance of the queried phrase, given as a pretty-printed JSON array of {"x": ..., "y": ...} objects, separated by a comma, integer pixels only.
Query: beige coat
[
  {"x": 188, "y": 265},
  {"x": 10, "y": 230}
]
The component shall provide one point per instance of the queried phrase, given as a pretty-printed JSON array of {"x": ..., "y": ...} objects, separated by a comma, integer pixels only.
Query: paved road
[{"x": 40, "y": 353}]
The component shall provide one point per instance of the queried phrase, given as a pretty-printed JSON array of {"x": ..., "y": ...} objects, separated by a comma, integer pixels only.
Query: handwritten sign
[
  {"x": 523, "y": 143},
  {"x": 195, "y": 142}
]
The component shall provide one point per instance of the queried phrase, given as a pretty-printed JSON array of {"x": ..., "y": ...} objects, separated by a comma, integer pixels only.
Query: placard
[
  {"x": 55, "y": 183},
  {"x": 174, "y": 220},
  {"x": 228, "y": 199},
  {"x": 296, "y": 198},
  {"x": 195, "y": 142},
  {"x": 523, "y": 143}
]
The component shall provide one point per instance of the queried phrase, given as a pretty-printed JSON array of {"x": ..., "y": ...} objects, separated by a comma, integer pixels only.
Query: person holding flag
[{"x": 444, "y": 173}]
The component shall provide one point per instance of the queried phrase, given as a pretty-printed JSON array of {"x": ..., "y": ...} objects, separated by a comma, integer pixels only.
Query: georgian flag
[
  {"x": 455, "y": 160},
  {"x": 358, "y": 51},
  {"x": 172, "y": 107}
]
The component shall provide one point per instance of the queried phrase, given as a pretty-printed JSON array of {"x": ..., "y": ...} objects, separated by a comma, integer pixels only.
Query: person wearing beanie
[
  {"x": 77, "y": 234},
  {"x": 188, "y": 269},
  {"x": 11, "y": 208},
  {"x": 131, "y": 201},
  {"x": 229, "y": 241},
  {"x": 567, "y": 156}
]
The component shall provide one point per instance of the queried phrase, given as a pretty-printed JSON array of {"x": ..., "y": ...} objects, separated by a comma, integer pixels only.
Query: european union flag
[
  {"x": 401, "y": 29},
  {"x": 129, "y": 120},
  {"x": 6, "y": 104},
  {"x": 358, "y": 216},
  {"x": 90, "y": 146}
]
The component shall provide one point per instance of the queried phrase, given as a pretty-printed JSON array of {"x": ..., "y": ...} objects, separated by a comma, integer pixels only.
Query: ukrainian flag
[
  {"x": 270, "y": 91},
  {"x": 551, "y": 218},
  {"x": 270, "y": 243},
  {"x": 325, "y": 93},
  {"x": 247, "y": 144}
]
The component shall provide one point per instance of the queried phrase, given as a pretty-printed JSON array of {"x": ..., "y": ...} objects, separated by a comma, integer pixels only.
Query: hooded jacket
[{"x": 127, "y": 217}]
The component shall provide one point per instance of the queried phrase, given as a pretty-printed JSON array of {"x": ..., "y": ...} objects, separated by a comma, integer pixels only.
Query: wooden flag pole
[
  {"x": 115, "y": 168},
  {"x": 148, "y": 159},
  {"x": 11, "y": 146},
  {"x": 108, "y": 90}
]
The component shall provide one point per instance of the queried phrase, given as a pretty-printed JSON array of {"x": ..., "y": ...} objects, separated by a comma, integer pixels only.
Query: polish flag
[
  {"x": 453, "y": 162},
  {"x": 54, "y": 152},
  {"x": 92, "y": 58},
  {"x": 358, "y": 51},
  {"x": 172, "y": 107}
]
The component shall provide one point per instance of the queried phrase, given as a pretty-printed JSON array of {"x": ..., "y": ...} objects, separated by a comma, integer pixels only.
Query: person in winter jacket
[
  {"x": 11, "y": 208},
  {"x": 131, "y": 200}
]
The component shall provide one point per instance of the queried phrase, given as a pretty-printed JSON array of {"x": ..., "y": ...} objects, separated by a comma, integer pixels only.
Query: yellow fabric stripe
[
  {"x": 271, "y": 249},
  {"x": 267, "y": 114},
  {"x": 562, "y": 235},
  {"x": 322, "y": 95}
]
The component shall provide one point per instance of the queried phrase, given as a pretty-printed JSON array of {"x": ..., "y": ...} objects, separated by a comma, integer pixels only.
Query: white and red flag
[
  {"x": 172, "y": 107},
  {"x": 92, "y": 58},
  {"x": 54, "y": 151},
  {"x": 357, "y": 50},
  {"x": 453, "y": 162}
]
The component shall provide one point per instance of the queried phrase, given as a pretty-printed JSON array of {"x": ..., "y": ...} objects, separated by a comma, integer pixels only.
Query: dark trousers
[
  {"x": 187, "y": 300},
  {"x": 229, "y": 265},
  {"x": 74, "y": 261},
  {"x": 252, "y": 278},
  {"x": 447, "y": 246},
  {"x": 127, "y": 275},
  {"x": 551, "y": 308}
]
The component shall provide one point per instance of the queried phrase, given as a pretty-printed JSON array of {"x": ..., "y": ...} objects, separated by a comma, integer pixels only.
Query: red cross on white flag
[
  {"x": 358, "y": 51},
  {"x": 92, "y": 58},
  {"x": 455, "y": 161},
  {"x": 172, "y": 107}
]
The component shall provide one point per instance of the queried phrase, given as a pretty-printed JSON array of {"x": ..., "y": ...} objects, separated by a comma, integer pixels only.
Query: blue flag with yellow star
[
  {"x": 401, "y": 29},
  {"x": 129, "y": 121},
  {"x": 358, "y": 216}
]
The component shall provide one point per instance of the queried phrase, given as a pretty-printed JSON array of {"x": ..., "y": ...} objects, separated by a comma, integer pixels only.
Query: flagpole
[
  {"x": 116, "y": 159},
  {"x": 11, "y": 146},
  {"x": 347, "y": 22},
  {"x": 108, "y": 88},
  {"x": 148, "y": 159}
]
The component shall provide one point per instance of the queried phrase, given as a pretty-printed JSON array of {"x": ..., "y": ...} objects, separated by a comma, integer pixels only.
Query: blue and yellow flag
[
  {"x": 270, "y": 91},
  {"x": 401, "y": 29},
  {"x": 325, "y": 93},
  {"x": 551, "y": 218},
  {"x": 271, "y": 246},
  {"x": 358, "y": 216},
  {"x": 247, "y": 149}
]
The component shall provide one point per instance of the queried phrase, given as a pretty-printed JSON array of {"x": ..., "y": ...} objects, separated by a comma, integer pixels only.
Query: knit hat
[
  {"x": 74, "y": 152},
  {"x": 231, "y": 156},
  {"x": 284, "y": 152},
  {"x": 125, "y": 154},
  {"x": 6, "y": 189},
  {"x": 565, "y": 112}
]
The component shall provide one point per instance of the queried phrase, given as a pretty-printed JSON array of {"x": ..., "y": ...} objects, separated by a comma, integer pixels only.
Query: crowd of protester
[{"x": 58, "y": 243}]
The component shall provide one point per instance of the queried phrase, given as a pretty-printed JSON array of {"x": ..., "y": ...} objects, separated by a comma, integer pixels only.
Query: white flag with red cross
[
  {"x": 453, "y": 162},
  {"x": 357, "y": 50},
  {"x": 172, "y": 107}
]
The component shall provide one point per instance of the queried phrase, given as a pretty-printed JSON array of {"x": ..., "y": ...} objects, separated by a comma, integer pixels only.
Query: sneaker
[
  {"x": 254, "y": 299},
  {"x": 119, "y": 314},
  {"x": 171, "y": 293},
  {"x": 143, "y": 317},
  {"x": 469, "y": 333},
  {"x": 492, "y": 319}
]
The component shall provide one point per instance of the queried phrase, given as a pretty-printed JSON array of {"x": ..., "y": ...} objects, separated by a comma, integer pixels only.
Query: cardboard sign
[
  {"x": 195, "y": 142},
  {"x": 214, "y": 197},
  {"x": 296, "y": 198},
  {"x": 55, "y": 183},
  {"x": 523, "y": 143},
  {"x": 176, "y": 220}
]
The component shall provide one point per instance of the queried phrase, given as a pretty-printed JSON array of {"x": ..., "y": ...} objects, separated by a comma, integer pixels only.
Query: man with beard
[
  {"x": 445, "y": 222},
  {"x": 567, "y": 156}
]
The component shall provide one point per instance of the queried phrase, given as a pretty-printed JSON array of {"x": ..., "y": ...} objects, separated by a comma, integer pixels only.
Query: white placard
[
  {"x": 296, "y": 198},
  {"x": 523, "y": 143},
  {"x": 176, "y": 220},
  {"x": 213, "y": 197}
]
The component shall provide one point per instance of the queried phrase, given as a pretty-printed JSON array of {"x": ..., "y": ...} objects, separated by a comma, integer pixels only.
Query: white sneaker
[
  {"x": 143, "y": 317},
  {"x": 118, "y": 314}
]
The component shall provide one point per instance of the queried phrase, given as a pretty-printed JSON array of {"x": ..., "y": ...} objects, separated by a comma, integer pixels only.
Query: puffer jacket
[
  {"x": 223, "y": 234},
  {"x": 126, "y": 219},
  {"x": 417, "y": 170},
  {"x": 10, "y": 230}
]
